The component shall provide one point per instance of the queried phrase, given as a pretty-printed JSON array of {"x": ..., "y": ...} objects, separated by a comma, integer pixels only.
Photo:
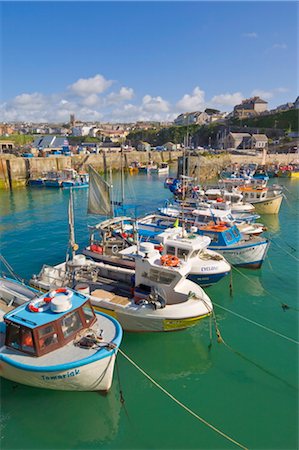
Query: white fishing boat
[
  {"x": 161, "y": 169},
  {"x": 57, "y": 341},
  {"x": 109, "y": 238},
  {"x": 265, "y": 200},
  {"x": 170, "y": 300}
]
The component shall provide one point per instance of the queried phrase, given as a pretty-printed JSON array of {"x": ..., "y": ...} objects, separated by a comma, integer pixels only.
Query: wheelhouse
[
  {"x": 221, "y": 235},
  {"x": 27, "y": 333}
]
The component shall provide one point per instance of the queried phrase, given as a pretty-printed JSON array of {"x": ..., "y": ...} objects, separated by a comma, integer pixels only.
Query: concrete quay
[{"x": 15, "y": 171}]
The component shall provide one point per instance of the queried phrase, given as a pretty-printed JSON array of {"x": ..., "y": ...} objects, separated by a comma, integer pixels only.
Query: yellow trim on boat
[
  {"x": 179, "y": 324},
  {"x": 110, "y": 312}
]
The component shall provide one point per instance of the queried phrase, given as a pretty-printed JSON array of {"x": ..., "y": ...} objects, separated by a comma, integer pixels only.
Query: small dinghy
[{"x": 57, "y": 341}]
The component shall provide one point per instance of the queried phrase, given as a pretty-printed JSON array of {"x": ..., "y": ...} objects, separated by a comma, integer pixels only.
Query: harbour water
[{"x": 247, "y": 387}]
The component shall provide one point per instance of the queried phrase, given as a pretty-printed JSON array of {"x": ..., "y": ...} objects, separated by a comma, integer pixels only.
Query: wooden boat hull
[{"x": 269, "y": 205}]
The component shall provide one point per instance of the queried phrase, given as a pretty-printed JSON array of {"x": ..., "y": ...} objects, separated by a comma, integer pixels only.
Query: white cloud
[
  {"x": 124, "y": 93},
  {"x": 154, "y": 104},
  {"x": 192, "y": 102},
  {"x": 228, "y": 99},
  {"x": 91, "y": 100},
  {"x": 87, "y": 86},
  {"x": 265, "y": 95},
  {"x": 280, "y": 46},
  {"x": 281, "y": 90},
  {"x": 252, "y": 35}
]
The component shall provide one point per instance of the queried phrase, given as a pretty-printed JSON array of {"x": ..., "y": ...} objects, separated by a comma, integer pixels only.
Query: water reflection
[{"x": 82, "y": 418}]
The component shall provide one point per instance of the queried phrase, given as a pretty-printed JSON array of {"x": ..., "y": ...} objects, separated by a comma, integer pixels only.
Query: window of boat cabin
[
  {"x": 170, "y": 250},
  {"x": 228, "y": 236},
  {"x": 161, "y": 277},
  {"x": 71, "y": 323},
  {"x": 20, "y": 338},
  {"x": 213, "y": 237},
  {"x": 47, "y": 338},
  {"x": 182, "y": 253},
  {"x": 88, "y": 313}
]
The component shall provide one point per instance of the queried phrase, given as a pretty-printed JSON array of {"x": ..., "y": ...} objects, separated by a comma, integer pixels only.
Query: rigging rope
[
  {"x": 180, "y": 403},
  {"x": 257, "y": 324},
  {"x": 283, "y": 305}
]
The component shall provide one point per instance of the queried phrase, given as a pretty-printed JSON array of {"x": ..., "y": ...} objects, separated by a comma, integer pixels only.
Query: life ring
[
  {"x": 38, "y": 305},
  {"x": 170, "y": 260},
  {"x": 159, "y": 248},
  {"x": 42, "y": 304},
  {"x": 114, "y": 249}
]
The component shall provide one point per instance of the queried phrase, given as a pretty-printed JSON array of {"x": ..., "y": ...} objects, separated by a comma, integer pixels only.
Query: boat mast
[
  {"x": 122, "y": 176},
  {"x": 72, "y": 244}
]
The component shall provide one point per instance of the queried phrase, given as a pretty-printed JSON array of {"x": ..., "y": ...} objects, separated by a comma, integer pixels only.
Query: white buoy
[
  {"x": 60, "y": 303},
  {"x": 82, "y": 288}
]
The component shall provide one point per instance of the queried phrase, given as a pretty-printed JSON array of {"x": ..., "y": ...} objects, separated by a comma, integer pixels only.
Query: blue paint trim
[
  {"x": 233, "y": 247},
  {"x": 206, "y": 279},
  {"x": 82, "y": 362}
]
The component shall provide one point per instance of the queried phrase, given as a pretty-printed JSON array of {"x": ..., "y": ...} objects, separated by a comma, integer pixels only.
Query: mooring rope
[
  {"x": 279, "y": 246},
  {"x": 257, "y": 324},
  {"x": 220, "y": 340},
  {"x": 283, "y": 305},
  {"x": 180, "y": 403}
]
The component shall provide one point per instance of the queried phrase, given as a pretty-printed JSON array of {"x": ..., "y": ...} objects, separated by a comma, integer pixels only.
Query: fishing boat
[
  {"x": 265, "y": 200},
  {"x": 109, "y": 238},
  {"x": 239, "y": 250},
  {"x": 67, "y": 178},
  {"x": 147, "y": 168},
  {"x": 158, "y": 298},
  {"x": 161, "y": 169},
  {"x": 57, "y": 341},
  {"x": 14, "y": 293},
  {"x": 289, "y": 171}
]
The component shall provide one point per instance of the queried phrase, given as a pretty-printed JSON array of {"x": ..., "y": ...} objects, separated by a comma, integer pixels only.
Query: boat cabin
[
  {"x": 48, "y": 323},
  {"x": 221, "y": 235},
  {"x": 183, "y": 245},
  {"x": 254, "y": 194}
]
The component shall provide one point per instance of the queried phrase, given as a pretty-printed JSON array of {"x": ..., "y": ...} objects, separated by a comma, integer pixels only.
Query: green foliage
[
  {"x": 286, "y": 120},
  {"x": 18, "y": 139},
  {"x": 156, "y": 137}
]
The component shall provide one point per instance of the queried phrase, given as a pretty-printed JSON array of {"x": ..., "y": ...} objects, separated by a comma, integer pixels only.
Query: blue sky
[{"x": 144, "y": 60}]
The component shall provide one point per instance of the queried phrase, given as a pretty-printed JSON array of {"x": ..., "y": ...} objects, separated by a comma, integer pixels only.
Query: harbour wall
[{"x": 15, "y": 171}]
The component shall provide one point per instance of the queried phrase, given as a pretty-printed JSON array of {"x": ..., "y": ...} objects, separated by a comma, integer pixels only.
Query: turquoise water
[{"x": 247, "y": 388}]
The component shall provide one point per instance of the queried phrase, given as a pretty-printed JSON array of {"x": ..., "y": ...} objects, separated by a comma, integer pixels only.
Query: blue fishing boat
[
  {"x": 57, "y": 341},
  {"x": 240, "y": 250},
  {"x": 67, "y": 178}
]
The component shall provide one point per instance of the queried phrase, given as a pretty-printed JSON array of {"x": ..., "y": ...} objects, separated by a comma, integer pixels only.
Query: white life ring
[
  {"x": 44, "y": 302},
  {"x": 38, "y": 305}
]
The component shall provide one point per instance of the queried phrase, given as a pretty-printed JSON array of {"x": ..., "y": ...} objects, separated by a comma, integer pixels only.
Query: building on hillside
[
  {"x": 6, "y": 130},
  {"x": 285, "y": 107},
  {"x": 50, "y": 142},
  {"x": 143, "y": 146},
  {"x": 6, "y": 146},
  {"x": 245, "y": 141},
  {"x": 250, "y": 107},
  {"x": 259, "y": 141},
  {"x": 234, "y": 140},
  {"x": 81, "y": 131},
  {"x": 192, "y": 118},
  {"x": 170, "y": 146}
]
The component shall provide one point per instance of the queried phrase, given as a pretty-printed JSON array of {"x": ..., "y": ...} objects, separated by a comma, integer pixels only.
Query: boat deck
[{"x": 111, "y": 297}]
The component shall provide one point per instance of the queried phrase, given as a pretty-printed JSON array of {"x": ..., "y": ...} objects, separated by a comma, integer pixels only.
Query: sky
[{"x": 128, "y": 61}]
